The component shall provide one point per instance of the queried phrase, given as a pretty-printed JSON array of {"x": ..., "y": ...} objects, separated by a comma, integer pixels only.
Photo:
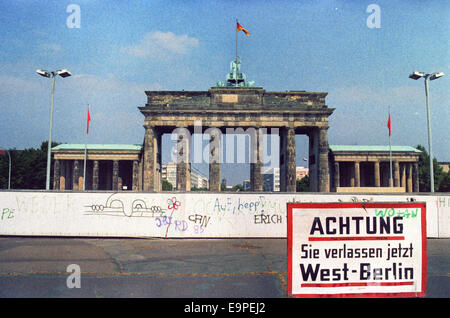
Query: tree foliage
[
  {"x": 28, "y": 168},
  {"x": 302, "y": 185},
  {"x": 441, "y": 178},
  {"x": 166, "y": 185}
]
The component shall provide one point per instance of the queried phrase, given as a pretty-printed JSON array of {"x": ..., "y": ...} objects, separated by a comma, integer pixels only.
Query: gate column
[
  {"x": 215, "y": 159},
  {"x": 324, "y": 173},
  {"x": 287, "y": 160}
]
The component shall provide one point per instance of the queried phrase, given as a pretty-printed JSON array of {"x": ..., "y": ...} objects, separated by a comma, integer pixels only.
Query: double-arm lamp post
[
  {"x": 52, "y": 74},
  {"x": 428, "y": 77}
]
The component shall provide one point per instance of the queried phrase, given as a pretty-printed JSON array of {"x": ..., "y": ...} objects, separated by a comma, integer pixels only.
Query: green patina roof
[
  {"x": 98, "y": 147},
  {"x": 352, "y": 148}
]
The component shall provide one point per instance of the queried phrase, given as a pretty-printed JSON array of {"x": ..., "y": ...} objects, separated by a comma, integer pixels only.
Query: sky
[{"x": 116, "y": 50}]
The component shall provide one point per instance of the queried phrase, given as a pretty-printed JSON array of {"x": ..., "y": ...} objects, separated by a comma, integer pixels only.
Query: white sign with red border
[{"x": 356, "y": 249}]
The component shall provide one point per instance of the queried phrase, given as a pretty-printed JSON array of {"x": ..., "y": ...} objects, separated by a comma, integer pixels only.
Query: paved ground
[{"x": 228, "y": 268}]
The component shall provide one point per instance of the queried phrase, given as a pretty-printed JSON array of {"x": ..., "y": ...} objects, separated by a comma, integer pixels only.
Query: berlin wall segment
[{"x": 184, "y": 214}]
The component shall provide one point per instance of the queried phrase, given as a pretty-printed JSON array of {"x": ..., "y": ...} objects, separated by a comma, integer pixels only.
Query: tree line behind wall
[
  {"x": 441, "y": 178},
  {"x": 29, "y": 168}
]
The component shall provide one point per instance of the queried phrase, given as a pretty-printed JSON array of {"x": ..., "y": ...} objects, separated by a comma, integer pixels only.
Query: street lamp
[
  {"x": 63, "y": 73},
  {"x": 428, "y": 77}
]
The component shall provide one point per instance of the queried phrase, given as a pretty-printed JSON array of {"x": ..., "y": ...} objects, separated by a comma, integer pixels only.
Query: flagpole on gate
[
  {"x": 238, "y": 28},
  {"x": 390, "y": 149},
  {"x": 236, "y": 83},
  {"x": 85, "y": 149}
]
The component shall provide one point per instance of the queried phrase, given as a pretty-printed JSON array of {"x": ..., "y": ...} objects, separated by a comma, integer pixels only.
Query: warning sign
[{"x": 356, "y": 249}]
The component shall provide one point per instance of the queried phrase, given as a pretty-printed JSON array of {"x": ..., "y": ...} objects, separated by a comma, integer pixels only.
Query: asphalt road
[{"x": 169, "y": 268}]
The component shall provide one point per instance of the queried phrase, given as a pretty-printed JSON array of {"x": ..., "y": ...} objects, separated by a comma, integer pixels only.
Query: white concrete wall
[{"x": 194, "y": 214}]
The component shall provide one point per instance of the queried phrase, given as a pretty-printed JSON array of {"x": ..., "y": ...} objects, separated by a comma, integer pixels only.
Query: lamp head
[
  {"x": 43, "y": 73},
  {"x": 436, "y": 75},
  {"x": 63, "y": 73},
  {"x": 416, "y": 75}
]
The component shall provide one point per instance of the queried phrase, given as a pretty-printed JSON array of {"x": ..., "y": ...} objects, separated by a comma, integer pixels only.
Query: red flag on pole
[
  {"x": 389, "y": 124},
  {"x": 88, "y": 120}
]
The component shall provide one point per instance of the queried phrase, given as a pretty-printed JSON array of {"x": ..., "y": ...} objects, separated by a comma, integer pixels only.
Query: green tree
[
  {"x": 167, "y": 186},
  {"x": 28, "y": 168},
  {"x": 238, "y": 188},
  {"x": 199, "y": 189},
  {"x": 302, "y": 185},
  {"x": 444, "y": 185},
  {"x": 424, "y": 173}
]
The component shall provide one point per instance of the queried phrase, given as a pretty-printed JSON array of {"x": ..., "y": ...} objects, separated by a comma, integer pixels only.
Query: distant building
[
  {"x": 271, "y": 179},
  {"x": 445, "y": 166},
  {"x": 247, "y": 185},
  {"x": 119, "y": 167},
  {"x": 198, "y": 181},
  {"x": 367, "y": 168},
  {"x": 109, "y": 167},
  {"x": 169, "y": 173}
]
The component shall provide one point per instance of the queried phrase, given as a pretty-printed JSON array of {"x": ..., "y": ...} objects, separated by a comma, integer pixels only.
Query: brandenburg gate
[{"x": 239, "y": 104}]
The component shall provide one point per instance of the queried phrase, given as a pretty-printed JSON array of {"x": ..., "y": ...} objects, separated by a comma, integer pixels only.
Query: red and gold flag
[{"x": 240, "y": 28}]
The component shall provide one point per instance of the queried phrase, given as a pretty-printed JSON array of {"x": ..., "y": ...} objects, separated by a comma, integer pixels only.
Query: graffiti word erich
[{"x": 268, "y": 219}]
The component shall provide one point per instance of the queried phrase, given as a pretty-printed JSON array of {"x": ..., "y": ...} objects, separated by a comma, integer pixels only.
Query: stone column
[
  {"x": 115, "y": 175},
  {"x": 119, "y": 184},
  {"x": 415, "y": 177},
  {"x": 357, "y": 175},
  {"x": 158, "y": 162},
  {"x": 63, "y": 176},
  {"x": 135, "y": 183},
  {"x": 352, "y": 176},
  {"x": 56, "y": 175},
  {"x": 256, "y": 144},
  {"x": 337, "y": 180},
  {"x": 287, "y": 160},
  {"x": 396, "y": 173},
  {"x": 377, "y": 173},
  {"x": 183, "y": 159},
  {"x": 403, "y": 179},
  {"x": 75, "y": 174},
  {"x": 150, "y": 159},
  {"x": 95, "y": 175},
  {"x": 215, "y": 159},
  {"x": 409, "y": 182},
  {"x": 313, "y": 160},
  {"x": 324, "y": 174}
]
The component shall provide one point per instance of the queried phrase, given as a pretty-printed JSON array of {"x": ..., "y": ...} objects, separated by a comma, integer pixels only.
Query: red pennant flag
[
  {"x": 389, "y": 124},
  {"x": 88, "y": 120}
]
